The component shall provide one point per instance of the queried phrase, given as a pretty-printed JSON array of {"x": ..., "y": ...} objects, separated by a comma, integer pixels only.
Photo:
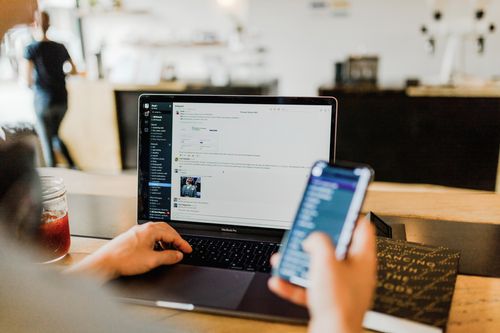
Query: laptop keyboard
[{"x": 229, "y": 253}]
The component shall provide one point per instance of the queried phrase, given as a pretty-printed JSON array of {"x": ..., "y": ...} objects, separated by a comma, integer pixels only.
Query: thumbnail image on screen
[{"x": 191, "y": 187}]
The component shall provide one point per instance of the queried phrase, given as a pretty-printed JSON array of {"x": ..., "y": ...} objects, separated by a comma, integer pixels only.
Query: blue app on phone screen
[{"x": 331, "y": 204}]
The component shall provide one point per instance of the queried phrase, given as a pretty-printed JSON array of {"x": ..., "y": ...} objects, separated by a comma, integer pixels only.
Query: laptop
[{"x": 228, "y": 173}]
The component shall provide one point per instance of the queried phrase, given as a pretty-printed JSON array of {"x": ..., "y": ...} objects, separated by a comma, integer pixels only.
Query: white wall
[
  {"x": 158, "y": 22},
  {"x": 303, "y": 45}
]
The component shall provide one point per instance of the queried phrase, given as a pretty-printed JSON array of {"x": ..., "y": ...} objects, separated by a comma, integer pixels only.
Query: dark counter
[{"x": 450, "y": 141}]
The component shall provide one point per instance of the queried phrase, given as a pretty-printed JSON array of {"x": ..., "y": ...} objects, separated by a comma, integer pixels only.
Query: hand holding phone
[
  {"x": 340, "y": 291},
  {"x": 331, "y": 204}
]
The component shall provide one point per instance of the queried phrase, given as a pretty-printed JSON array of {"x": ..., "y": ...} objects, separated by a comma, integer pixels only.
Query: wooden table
[{"x": 476, "y": 301}]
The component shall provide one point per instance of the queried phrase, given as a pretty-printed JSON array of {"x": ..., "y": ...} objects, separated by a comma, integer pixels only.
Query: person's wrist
[
  {"x": 106, "y": 265},
  {"x": 330, "y": 323},
  {"x": 99, "y": 265}
]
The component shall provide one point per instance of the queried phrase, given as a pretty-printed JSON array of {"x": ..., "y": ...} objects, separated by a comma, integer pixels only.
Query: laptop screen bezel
[{"x": 228, "y": 99}]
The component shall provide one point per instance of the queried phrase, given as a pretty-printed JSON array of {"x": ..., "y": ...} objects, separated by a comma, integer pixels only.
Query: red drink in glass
[
  {"x": 55, "y": 239},
  {"x": 54, "y": 236}
]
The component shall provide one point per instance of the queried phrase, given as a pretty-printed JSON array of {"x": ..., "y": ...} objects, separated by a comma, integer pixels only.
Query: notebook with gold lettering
[{"x": 414, "y": 289}]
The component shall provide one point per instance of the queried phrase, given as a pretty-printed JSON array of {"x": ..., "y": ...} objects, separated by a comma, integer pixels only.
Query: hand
[
  {"x": 133, "y": 252},
  {"x": 340, "y": 292}
]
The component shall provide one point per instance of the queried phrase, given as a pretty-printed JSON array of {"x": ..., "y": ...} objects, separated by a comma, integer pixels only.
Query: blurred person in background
[{"x": 45, "y": 74}]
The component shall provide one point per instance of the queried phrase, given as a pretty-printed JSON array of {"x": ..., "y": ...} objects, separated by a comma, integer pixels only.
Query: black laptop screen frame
[{"x": 227, "y": 99}]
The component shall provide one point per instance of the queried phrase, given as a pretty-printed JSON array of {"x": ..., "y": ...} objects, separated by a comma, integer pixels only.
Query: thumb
[
  {"x": 168, "y": 257},
  {"x": 321, "y": 251},
  {"x": 319, "y": 245},
  {"x": 322, "y": 265}
]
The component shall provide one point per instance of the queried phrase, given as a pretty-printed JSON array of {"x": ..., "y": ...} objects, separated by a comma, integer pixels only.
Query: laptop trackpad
[{"x": 201, "y": 286}]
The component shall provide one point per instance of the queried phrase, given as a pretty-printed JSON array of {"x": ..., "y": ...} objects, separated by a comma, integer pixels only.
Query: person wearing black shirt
[{"x": 45, "y": 72}]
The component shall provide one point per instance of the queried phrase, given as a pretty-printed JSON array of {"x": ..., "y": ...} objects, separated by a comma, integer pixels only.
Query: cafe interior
[{"x": 417, "y": 89}]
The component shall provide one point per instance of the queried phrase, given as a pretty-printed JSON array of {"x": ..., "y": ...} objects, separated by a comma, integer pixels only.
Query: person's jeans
[{"x": 49, "y": 118}]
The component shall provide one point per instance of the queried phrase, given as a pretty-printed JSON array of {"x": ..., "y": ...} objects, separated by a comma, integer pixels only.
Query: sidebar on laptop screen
[{"x": 233, "y": 164}]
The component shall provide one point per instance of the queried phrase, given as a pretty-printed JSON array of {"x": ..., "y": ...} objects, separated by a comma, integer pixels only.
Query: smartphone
[{"x": 331, "y": 204}]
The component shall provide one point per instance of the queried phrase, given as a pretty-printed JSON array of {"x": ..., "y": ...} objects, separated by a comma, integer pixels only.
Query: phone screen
[{"x": 331, "y": 204}]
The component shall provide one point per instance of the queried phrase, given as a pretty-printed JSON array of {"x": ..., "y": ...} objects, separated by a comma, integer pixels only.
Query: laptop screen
[{"x": 237, "y": 161}]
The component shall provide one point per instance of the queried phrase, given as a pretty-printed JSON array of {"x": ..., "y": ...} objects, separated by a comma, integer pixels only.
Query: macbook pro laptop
[{"x": 228, "y": 173}]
